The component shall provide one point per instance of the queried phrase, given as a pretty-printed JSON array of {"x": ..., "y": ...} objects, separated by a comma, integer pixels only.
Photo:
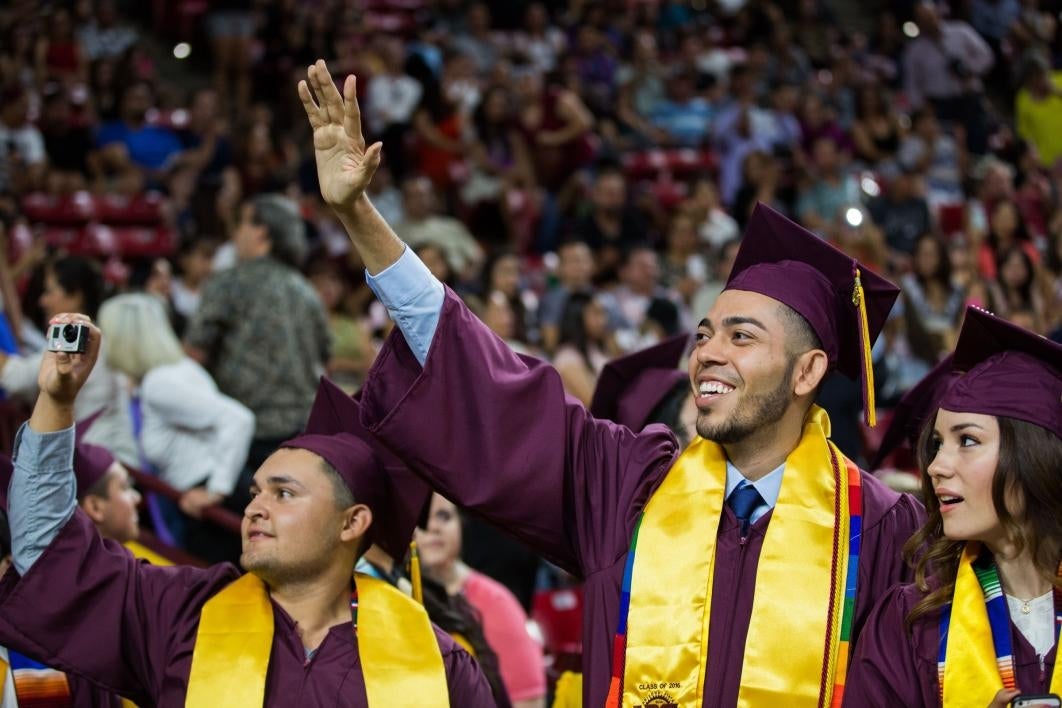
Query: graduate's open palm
[{"x": 344, "y": 165}]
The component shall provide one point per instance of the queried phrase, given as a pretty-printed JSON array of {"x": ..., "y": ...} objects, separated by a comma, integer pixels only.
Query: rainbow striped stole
[
  {"x": 974, "y": 676},
  {"x": 855, "y": 536},
  {"x": 37, "y": 685}
]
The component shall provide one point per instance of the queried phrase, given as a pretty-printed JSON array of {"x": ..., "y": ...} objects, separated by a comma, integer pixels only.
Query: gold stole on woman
[
  {"x": 973, "y": 672},
  {"x": 791, "y": 652},
  {"x": 400, "y": 657}
]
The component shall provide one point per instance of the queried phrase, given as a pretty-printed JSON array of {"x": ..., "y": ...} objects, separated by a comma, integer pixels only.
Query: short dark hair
[
  {"x": 82, "y": 276},
  {"x": 284, "y": 227},
  {"x": 100, "y": 488},
  {"x": 344, "y": 498},
  {"x": 799, "y": 335}
]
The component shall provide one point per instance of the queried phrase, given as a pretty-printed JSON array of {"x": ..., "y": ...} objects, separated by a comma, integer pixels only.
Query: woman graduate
[{"x": 980, "y": 623}]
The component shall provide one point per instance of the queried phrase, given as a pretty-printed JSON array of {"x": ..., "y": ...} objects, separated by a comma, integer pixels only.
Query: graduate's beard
[
  {"x": 752, "y": 413},
  {"x": 276, "y": 573}
]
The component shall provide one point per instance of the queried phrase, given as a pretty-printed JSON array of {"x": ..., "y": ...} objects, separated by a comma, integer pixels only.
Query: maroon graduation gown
[
  {"x": 88, "y": 607},
  {"x": 896, "y": 667},
  {"x": 496, "y": 434}
]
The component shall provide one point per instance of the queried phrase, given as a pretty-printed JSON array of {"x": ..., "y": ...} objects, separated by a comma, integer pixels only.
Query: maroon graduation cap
[
  {"x": 915, "y": 407},
  {"x": 845, "y": 304},
  {"x": 91, "y": 462},
  {"x": 399, "y": 500},
  {"x": 1006, "y": 371},
  {"x": 631, "y": 387}
]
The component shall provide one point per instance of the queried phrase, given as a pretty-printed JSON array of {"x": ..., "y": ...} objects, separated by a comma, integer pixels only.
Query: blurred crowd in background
[{"x": 579, "y": 172}]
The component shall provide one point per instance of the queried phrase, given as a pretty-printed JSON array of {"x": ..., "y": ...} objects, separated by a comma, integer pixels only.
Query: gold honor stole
[
  {"x": 400, "y": 657},
  {"x": 979, "y": 664},
  {"x": 792, "y": 650}
]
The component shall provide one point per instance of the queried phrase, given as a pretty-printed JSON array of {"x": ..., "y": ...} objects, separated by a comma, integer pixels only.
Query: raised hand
[
  {"x": 344, "y": 165},
  {"x": 63, "y": 374}
]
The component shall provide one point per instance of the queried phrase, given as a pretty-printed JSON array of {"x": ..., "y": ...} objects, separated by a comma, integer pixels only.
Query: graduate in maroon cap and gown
[
  {"x": 980, "y": 623},
  {"x": 726, "y": 598},
  {"x": 297, "y": 629},
  {"x": 106, "y": 495}
]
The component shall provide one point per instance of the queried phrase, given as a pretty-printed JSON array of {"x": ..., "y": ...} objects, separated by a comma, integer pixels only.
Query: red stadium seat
[
  {"x": 951, "y": 218},
  {"x": 559, "y": 613},
  {"x": 143, "y": 209},
  {"x": 75, "y": 209}
]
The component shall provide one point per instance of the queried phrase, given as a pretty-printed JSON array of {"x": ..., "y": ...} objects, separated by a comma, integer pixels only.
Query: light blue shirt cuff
[
  {"x": 43, "y": 492},
  {"x": 414, "y": 298}
]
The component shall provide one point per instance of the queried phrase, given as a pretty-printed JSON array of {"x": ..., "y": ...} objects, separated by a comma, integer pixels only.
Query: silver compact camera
[{"x": 70, "y": 338}]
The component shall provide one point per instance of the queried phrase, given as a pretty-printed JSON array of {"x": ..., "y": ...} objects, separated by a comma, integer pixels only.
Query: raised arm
[{"x": 345, "y": 166}]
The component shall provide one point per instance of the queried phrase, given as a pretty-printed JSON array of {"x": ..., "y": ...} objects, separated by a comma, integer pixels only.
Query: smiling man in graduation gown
[
  {"x": 736, "y": 570},
  {"x": 296, "y": 629}
]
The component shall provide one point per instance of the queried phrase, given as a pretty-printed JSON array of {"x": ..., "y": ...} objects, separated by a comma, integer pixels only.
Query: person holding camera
[
  {"x": 943, "y": 67},
  {"x": 295, "y": 629},
  {"x": 979, "y": 625}
]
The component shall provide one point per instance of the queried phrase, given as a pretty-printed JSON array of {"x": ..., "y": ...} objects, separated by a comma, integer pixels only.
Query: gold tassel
[
  {"x": 860, "y": 301},
  {"x": 414, "y": 573}
]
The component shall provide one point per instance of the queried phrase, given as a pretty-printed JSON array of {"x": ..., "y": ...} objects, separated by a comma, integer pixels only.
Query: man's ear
[
  {"x": 356, "y": 522},
  {"x": 809, "y": 371},
  {"x": 93, "y": 506}
]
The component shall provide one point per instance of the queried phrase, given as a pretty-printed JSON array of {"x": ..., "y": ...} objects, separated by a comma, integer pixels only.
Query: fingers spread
[
  {"x": 352, "y": 112},
  {"x": 313, "y": 112},
  {"x": 328, "y": 94}
]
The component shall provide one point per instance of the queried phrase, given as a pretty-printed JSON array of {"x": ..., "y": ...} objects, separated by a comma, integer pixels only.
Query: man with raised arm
[
  {"x": 738, "y": 570},
  {"x": 298, "y": 628}
]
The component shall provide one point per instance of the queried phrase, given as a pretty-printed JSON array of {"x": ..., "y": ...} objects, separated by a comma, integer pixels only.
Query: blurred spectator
[
  {"x": 193, "y": 435},
  {"x": 556, "y": 124},
  {"x": 641, "y": 91},
  {"x": 832, "y": 189},
  {"x": 205, "y": 141},
  {"x": 1019, "y": 298},
  {"x": 231, "y": 25},
  {"x": 500, "y": 187},
  {"x": 263, "y": 164},
  {"x": 103, "y": 37},
  {"x": 1038, "y": 109},
  {"x": 59, "y": 54},
  {"x": 391, "y": 98},
  {"x": 684, "y": 268},
  {"x": 134, "y": 151},
  {"x": 476, "y": 40},
  {"x": 902, "y": 214},
  {"x": 504, "y": 620},
  {"x": 1006, "y": 229},
  {"x": 261, "y": 329},
  {"x": 537, "y": 42},
  {"x": 937, "y": 155},
  {"x": 422, "y": 225},
  {"x": 612, "y": 224},
  {"x": 501, "y": 275},
  {"x": 683, "y": 116},
  {"x": 932, "y": 303},
  {"x": 595, "y": 64},
  {"x": 877, "y": 132},
  {"x": 75, "y": 284},
  {"x": 761, "y": 177},
  {"x": 737, "y": 133},
  {"x": 440, "y": 127},
  {"x": 1052, "y": 284},
  {"x": 639, "y": 284},
  {"x": 22, "y": 158},
  {"x": 352, "y": 350},
  {"x": 195, "y": 263},
  {"x": 943, "y": 67},
  {"x": 68, "y": 145},
  {"x": 714, "y": 225},
  {"x": 1034, "y": 29},
  {"x": 787, "y": 62},
  {"x": 584, "y": 345},
  {"x": 575, "y": 274}
]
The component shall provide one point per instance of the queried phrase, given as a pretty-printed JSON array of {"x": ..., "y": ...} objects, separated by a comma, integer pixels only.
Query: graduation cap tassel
[
  {"x": 859, "y": 300},
  {"x": 414, "y": 573}
]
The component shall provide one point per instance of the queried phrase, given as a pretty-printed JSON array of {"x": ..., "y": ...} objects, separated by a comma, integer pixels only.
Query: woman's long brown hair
[{"x": 1030, "y": 471}]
